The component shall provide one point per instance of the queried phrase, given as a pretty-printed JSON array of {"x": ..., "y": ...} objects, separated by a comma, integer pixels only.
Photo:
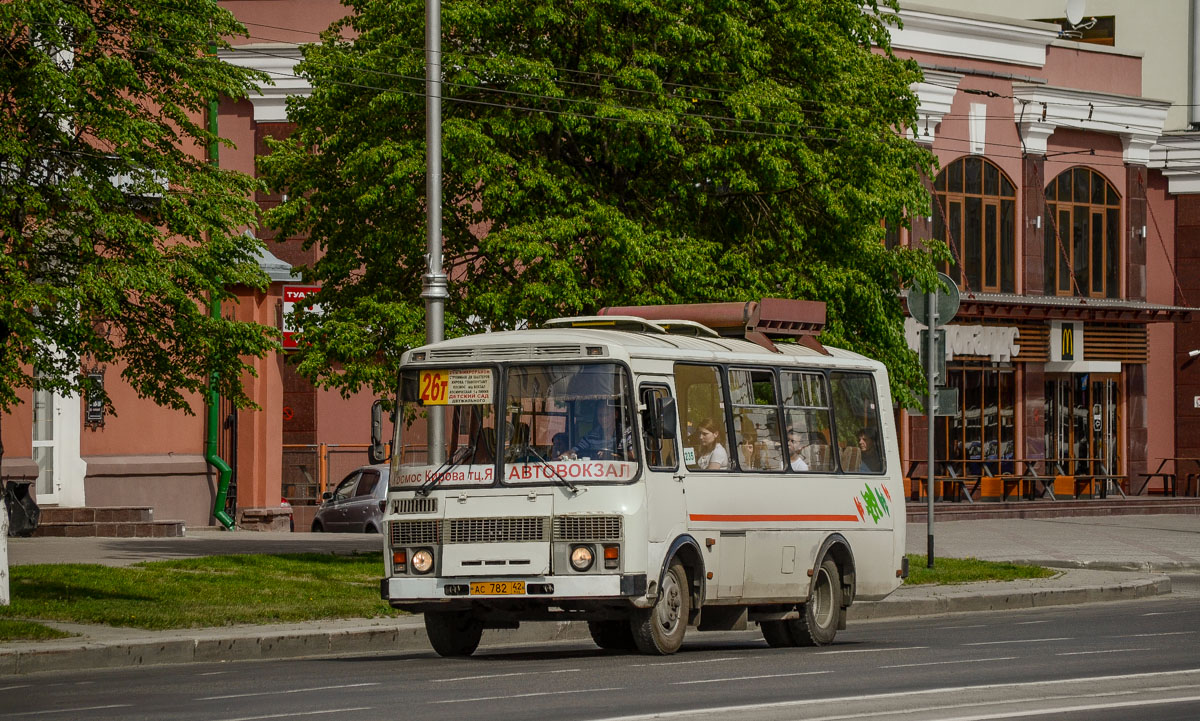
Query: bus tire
[
  {"x": 612, "y": 635},
  {"x": 776, "y": 634},
  {"x": 818, "y": 622},
  {"x": 659, "y": 630},
  {"x": 453, "y": 633}
]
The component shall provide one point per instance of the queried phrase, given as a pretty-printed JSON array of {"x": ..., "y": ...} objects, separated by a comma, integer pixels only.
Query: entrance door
[
  {"x": 45, "y": 410},
  {"x": 1083, "y": 419}
]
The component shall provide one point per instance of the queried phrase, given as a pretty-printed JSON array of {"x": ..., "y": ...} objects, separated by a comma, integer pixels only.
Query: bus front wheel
[
  {"x": 659, "y": 630},
  {"x": 818, "y": 622},
  {"x": 453, "y": 633}
]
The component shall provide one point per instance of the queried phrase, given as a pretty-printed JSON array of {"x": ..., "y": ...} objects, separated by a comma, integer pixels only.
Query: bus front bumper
[{"x": 407, "y": 589}]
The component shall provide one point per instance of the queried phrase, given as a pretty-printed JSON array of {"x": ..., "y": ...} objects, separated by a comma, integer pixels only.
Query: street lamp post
[{"x": 433, "y": 283}]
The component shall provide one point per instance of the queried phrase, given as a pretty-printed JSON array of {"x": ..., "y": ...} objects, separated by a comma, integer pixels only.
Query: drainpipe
[{"x": 214, "y": 399}]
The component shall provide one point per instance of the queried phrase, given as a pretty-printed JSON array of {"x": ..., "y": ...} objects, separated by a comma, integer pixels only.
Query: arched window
[
  {"x": 1083, "y": 238},
  {"x": 976, "y": 216}
]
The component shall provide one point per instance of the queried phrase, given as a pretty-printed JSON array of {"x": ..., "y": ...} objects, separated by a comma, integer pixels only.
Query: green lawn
[
  {"x": 967, "y": 570},
  {"x": 11, "y": 630},
  {"x": 211, "y": 591}
]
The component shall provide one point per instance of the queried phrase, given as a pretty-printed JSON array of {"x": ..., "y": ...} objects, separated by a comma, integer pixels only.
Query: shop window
[
  {"x": 975, "y": 214},
  {"x": 1083, "y": 235},
  {"x": 984, "y": 429}
]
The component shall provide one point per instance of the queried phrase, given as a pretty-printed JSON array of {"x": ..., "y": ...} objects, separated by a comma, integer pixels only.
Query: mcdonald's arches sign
[{"x": 1066, "y": 351}]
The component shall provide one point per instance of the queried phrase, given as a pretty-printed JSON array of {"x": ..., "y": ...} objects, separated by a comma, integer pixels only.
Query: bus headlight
[
  {"x": 582, "y": 558},
  {"x": 422, "y": 561}
]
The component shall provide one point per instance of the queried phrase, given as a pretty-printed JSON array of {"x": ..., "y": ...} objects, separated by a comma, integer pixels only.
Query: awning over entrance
[{"x": 1010, "y": 306}]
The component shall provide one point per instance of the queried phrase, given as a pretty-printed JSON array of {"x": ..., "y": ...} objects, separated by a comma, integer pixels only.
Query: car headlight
[
  {"x": 582, "y": 557},
  {"x": 422, "y": 561}
]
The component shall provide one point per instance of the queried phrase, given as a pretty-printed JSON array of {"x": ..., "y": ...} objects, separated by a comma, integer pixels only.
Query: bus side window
[
  {"x": 660, "y": 450},
  {"x": 755, "y": 419},
  {"x": 856, "y": 414},
  {"x": 706, "y": 438},
  {"x": 806, "y": 414}
]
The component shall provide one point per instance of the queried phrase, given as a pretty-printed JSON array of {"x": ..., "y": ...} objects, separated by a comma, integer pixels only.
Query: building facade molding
[
  {"x": 1136, "y": 120},
  {"x": 935, "y": 94},
  {"x": 971, "y": 35},
  {"x": 1177, "y": 157},
  {"x": 278, "y": 61}
]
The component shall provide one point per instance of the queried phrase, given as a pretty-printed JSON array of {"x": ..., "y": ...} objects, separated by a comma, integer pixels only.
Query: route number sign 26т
[{"x": 456, "y": 387}]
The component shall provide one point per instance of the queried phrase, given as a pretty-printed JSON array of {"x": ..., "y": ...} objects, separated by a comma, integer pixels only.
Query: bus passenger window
[
  {"x": 705, "y": 443},
  {"x": 756, "y": 420},
  {"x": 857, "y": 416},
  {"x": 660, "y": 450},
  {"x": 806, "y": 414}
]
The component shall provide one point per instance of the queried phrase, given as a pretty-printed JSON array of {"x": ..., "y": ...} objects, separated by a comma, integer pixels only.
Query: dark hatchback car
[{"x": 356, "y": 504}]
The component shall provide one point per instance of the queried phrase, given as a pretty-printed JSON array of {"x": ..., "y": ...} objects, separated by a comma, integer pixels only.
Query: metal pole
[
  {"x": 433, "y": 283},
  {"x": 931, "y": 365}
]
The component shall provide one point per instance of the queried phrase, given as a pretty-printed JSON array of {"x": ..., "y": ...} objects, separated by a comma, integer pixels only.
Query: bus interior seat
[{"x": 851, "y": 459}]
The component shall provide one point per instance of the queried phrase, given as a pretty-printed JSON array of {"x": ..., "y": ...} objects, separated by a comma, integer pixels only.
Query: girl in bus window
[{"x": 713, "y": 456}]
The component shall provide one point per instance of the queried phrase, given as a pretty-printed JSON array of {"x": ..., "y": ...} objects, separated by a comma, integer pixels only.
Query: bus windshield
[{"x": 566, "y": 424}]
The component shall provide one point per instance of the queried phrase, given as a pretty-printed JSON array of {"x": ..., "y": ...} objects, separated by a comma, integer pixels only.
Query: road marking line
[
  {"x": 1019, "y": 640},
  {"x": 503, "y": 675},
  {"x": 526, "y": 695},
  {"x": 750, "y": 678},
  {"x": 1073, "y": 709},
  {"x": 67, "y": 710},
  {"x": 736, "y": 710},
  {"x": 286, "y": 691},
  {"x": 941, "y": 663},
  {"x": 10, "y": 688},
  {"x": 1164, "y": 633},
  {"x": 293, "y": 714},
  {"x": 1030, "y": 623},
  {"x": 685, "y": 663},
  {"x": 871, "y": 650},
  {"x": 1111, "y": 650}
]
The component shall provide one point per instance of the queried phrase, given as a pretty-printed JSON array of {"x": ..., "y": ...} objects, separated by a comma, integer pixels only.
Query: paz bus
[{"x": 644, "y": 470}]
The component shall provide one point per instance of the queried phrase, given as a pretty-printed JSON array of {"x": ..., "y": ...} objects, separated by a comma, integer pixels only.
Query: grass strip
[
  {"x": 21, "y": 630},
  {"x": 199, "y": 592},
  {"x": 967, "y": 570}
]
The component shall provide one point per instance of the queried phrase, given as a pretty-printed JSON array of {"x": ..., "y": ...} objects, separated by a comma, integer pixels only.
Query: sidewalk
[{"x": 1104, "y": 559}]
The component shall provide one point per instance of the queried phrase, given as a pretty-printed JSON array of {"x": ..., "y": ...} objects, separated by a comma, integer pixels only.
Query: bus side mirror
[
  {"x": 666, "y": 419},
  {"x": 377, "y": 452}
]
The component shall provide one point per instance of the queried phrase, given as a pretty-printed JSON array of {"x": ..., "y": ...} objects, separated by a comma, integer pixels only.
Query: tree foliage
[
  {"x": 115, "y": 231},
  {"x": 603, "y": 152}
]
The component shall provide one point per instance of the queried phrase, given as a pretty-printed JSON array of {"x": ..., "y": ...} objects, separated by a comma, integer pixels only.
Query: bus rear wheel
[
  {"x": 453, "y": 633},
  {"x": 612, "y": 635},
  {"x": 659, "y": 630},
  {"x": 818, "y": 622}
]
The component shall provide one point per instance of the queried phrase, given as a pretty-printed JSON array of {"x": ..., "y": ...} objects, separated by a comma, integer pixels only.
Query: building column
[
  {"x": 1187, "y": 333},
  {"x": 1135, "y": 233}
]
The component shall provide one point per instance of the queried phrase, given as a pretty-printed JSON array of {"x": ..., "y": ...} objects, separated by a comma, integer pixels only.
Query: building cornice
[
  {"x": 1042, "y": 109},
  {"x": 969, "y": 35},
  {"x": 1177, "y": 157},
  {"x": 935, "y": 94},
  {"x": 278, "y": 61}
]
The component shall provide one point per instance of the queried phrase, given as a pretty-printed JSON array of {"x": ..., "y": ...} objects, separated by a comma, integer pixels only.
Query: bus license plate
[{"x": 498, "y": 588}]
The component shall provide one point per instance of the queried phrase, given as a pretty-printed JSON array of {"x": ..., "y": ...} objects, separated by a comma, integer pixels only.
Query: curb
[{"x": 408, "y": 634}]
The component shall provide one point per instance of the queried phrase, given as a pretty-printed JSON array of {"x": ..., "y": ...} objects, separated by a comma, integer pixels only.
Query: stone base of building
[{"x": 264, "y": 519}]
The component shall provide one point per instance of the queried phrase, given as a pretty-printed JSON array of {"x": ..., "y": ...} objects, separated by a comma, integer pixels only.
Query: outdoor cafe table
[
  {"x": 1170, "y": 478},
  {"x": 947, "y": 473}
]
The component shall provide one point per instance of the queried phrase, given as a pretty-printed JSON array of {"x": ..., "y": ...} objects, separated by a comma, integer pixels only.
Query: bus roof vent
[
  {"x": 688, "y": 327},
  {"x": 631, "y": 324},
  {"x": 759, "y": 321}
]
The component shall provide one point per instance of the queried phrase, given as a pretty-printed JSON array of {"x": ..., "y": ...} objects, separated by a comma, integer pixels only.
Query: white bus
[{"x": 644, "y": 476}]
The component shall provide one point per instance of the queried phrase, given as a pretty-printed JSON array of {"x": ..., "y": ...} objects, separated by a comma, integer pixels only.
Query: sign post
[{"x": 934, "y": 308}]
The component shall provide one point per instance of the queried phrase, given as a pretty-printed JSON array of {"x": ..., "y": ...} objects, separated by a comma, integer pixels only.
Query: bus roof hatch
[{"x": 759, "y": 321}]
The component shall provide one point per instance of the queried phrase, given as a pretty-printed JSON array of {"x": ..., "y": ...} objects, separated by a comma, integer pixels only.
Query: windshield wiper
[
  {"x": 456, "y": 459},
  {"x": 556, "y": 475}
]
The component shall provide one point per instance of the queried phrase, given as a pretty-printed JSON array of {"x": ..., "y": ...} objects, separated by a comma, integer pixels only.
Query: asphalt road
[{"x": 1100, "y": 661}]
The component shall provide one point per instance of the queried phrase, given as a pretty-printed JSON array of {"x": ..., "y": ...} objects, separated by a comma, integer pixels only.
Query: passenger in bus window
[
  {"x": 603, "y": 441},
  {"x": 797, "y": 442},
  {"x": 749, "y": 452},
  {"x": 559, "y": 445},
  {"x": 713, "y": 456},
  {"x": 868, "y": 443}
]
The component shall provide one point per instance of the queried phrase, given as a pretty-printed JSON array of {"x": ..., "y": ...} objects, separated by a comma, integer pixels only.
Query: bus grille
[
  {"x": 411, "y": 533},
  {"x": 587, "y": 528},
  {"x": 415, "y": 505},
  {"x": 497, "y": 530}
]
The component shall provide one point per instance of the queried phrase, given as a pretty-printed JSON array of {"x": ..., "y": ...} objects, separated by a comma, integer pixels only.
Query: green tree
[
  {"x": 602, "y": 152},
  {"x": 116, "y": 233}
]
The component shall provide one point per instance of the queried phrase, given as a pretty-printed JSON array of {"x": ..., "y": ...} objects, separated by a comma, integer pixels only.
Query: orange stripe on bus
[{"x": 751, "y": 518}]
